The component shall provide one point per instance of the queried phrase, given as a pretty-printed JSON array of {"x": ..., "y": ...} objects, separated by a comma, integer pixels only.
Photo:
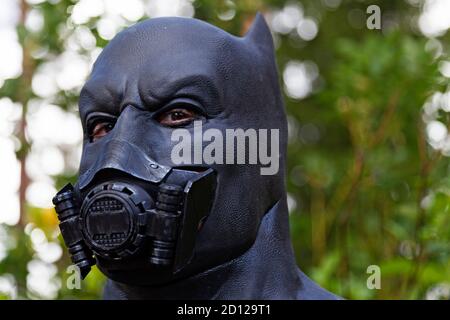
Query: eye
[
  {"x": 100, "y": 129},
  {"x": 177, "y": 117}
]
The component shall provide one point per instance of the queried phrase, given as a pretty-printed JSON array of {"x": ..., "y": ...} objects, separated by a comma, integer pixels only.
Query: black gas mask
[
  {"x": 162, "y": 229},
  {"x": 134, "y": 208},
  {"x": 126, "y": 224},
  {"x": 139, "y": 214}
]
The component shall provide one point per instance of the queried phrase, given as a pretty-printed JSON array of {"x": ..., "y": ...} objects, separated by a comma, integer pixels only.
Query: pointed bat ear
[{"x": 259, "y": 33}]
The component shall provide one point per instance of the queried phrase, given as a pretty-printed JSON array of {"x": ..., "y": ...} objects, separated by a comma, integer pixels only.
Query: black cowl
[{"x": 243, "y": 249}]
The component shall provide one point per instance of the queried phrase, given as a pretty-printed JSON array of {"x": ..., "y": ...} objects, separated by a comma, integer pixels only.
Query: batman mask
[{"x": 160, "y": 229}]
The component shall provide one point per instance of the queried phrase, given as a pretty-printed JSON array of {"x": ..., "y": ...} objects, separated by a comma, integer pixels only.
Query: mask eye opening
[{"x": 98, "y": 125}]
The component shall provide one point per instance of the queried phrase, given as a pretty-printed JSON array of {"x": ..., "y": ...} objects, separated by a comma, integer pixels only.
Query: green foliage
[{"x": 367, "y": 177}]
